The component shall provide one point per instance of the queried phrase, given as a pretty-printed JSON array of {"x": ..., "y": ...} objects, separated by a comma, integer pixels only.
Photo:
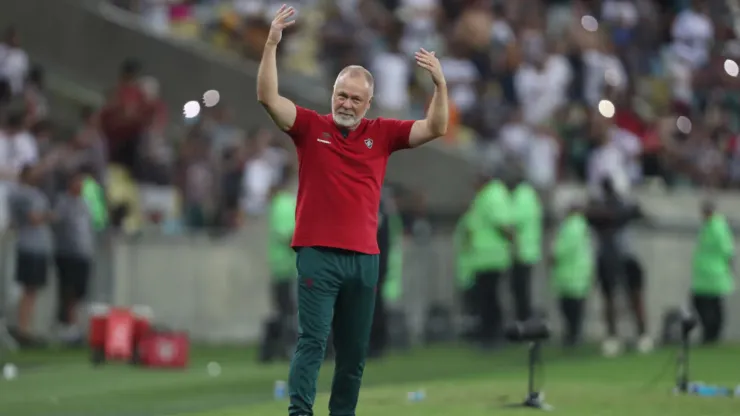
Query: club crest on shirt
[
  {"x": 326, "y": 135},
  {"x": 369, "y": 143}
]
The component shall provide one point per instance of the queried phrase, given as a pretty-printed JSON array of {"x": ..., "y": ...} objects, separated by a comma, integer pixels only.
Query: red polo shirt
[{"x": 339, "y": 179}]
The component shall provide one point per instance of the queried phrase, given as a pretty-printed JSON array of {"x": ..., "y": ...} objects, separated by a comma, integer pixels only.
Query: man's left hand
[{"x": 428, "y": 61}]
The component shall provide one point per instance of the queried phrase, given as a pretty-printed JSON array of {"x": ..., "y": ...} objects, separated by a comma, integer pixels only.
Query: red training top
[{"x": 339, "y": 179}]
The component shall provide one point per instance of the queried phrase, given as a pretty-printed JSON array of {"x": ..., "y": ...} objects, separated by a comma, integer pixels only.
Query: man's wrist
[
  {"x": 271, "y": 44},
  {"x": 442, "y": 85}
]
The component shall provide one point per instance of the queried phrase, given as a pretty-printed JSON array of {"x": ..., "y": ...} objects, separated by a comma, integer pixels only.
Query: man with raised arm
[{"x": 342, "y": 159}]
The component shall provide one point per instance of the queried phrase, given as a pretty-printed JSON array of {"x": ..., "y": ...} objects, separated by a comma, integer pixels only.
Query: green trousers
[{"x": 336, "y": 292}]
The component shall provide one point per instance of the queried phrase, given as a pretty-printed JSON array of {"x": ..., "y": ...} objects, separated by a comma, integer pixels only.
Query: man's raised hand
[
  {"x": 428, "y": 61},
  {"x": 279, "y": 23}
]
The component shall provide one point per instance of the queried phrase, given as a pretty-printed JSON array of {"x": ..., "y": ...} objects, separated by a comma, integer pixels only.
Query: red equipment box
[
  {"x": 164, "y": 350},
  {"x": 115, "y": 333}
]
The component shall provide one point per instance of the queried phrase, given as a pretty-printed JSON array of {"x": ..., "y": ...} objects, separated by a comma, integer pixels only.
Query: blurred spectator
[
  {"x": 31, "y": 214},
  {"x": 123, "y": 119},
  {"x": 338, "y": 41},
  {"x": 74, "y": 253},
  {"x": 22, "y": 146},
  {"x": 14, "y": 65},
  {"x": 392, "y": 70},
  {"x": 542, "y": 80},
  {"x": 692, "y": 33},
  {"x": 34, "y": 96},
  {"x": 85, "y": 149},
  {"x": 199, "y": 182},
  {"x": 261, "y": 172},
  {"x": 609, "y": 158},
  {"x": 154, "y": 153}
]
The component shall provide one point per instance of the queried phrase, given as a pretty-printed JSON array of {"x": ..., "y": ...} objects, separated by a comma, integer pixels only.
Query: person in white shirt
[
  {"x": 602, "y": 69},
  {"x": 420, "y": 18},
  {"x": 392, "y": 71},
  {"x": 692, "y": 33},
  {"x": 462, "y": 78},
  {"x": 14, "y": 64},
  {"x": 21, "y": 148},
  {"x": 542, "y": 81},
  {"x": 260, "y": 173},
  {"x": 614, "y": 157}
]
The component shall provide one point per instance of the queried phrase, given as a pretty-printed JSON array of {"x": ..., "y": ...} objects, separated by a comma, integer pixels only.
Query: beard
[{"x": 346, "y": 120}]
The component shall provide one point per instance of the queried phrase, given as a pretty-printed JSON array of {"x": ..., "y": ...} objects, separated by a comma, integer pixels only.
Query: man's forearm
[
  {"x": 438, "y": 114},
  {"x": 267, "y": 77}
]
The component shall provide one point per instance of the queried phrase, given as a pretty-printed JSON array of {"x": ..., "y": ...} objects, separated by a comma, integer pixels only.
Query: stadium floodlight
[{"x": 533, "y": 332}]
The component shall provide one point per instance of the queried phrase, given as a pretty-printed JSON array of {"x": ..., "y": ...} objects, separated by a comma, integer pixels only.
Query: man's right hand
[{"x": 279, "y": 23}]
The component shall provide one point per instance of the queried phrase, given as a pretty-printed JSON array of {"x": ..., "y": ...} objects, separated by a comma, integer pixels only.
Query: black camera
[
  {"x": 528, "y": 331},
  {"x": 688, "y": 323}
]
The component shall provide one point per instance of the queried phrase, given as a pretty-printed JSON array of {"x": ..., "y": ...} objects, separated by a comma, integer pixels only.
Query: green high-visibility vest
[
  {"x": 490, "y": 211},
  {"x": 527, "y": 221},
  {"x": 94, "y": 196},
  {"x": 573, "y": 256},
  {"x": 464, "y": 274},
  {"x": 393, "y": 287},
  {"x": 281, "y": 255},
  {"x": 712, "y": 268}
]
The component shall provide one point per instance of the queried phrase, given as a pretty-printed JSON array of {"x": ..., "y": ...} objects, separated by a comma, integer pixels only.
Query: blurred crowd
[
  {"x": 208, "y": 174},
  {"x": 547, "y": 84},
  {"x": 525, "y": 76}
]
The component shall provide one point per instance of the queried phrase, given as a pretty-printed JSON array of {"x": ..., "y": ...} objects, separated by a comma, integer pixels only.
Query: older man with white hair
[{"x": 342, "y": 158}]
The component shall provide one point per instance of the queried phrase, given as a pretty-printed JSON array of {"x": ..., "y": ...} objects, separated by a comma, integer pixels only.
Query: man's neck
[{"x": 346, "y": 130}]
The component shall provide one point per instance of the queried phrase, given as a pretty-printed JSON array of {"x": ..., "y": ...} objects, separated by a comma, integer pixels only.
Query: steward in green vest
[
  {"x": 489, "y": 222},
  {"x": 712, "y": 274},
  {"x": 94, "y": 196},
  {"x": 464, "y": 276},
  {"x": 390, "y": 269},
  {"x": 281, "y": 256},
  {"x": 527, "y": 223},
  {"x": 572, "y": 271}
]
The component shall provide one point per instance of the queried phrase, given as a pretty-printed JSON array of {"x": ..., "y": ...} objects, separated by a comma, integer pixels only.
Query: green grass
[{"x": 457, "y": 381}]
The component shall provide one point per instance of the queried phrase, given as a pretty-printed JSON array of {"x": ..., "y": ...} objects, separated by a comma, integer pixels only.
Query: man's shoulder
[
  {"x": 312, "y": 115},
  {"x": 311, "y": 119},
  {"x": 387, "y": 123}
]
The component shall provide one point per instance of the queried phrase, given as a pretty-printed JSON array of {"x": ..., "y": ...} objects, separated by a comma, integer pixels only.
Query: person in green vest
[
  {"x": 490, "y": 253},
  {"x": 464, "y": 277},
  {"x": 572, "y": 272},
  {"x": 527, "y": 222},
  {"x": 393, "y": 287},
  {"x": 712, "y": 271},
  {"x": 281, "y": 256},
  {"x": 390, "y": 263},
  {"x": 94, "y": 196}
]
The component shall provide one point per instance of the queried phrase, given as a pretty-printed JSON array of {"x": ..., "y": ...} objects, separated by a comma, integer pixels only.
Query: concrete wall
[{"x": 218, "y": 289}]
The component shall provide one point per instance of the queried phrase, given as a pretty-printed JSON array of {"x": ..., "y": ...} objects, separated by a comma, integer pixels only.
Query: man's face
[{"x": 350, "y": 100}]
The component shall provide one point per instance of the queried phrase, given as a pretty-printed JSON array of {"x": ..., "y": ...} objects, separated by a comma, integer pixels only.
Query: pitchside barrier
[{"x": 218, "y": 288}]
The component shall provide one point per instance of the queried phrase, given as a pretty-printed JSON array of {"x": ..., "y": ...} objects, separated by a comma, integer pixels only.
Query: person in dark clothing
[
  {"x": 610, "y": 216},
  {"x": 31, "y": 216},
  {"x": 379, "y": 330},
  {"x": 74, "y": 237}
]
